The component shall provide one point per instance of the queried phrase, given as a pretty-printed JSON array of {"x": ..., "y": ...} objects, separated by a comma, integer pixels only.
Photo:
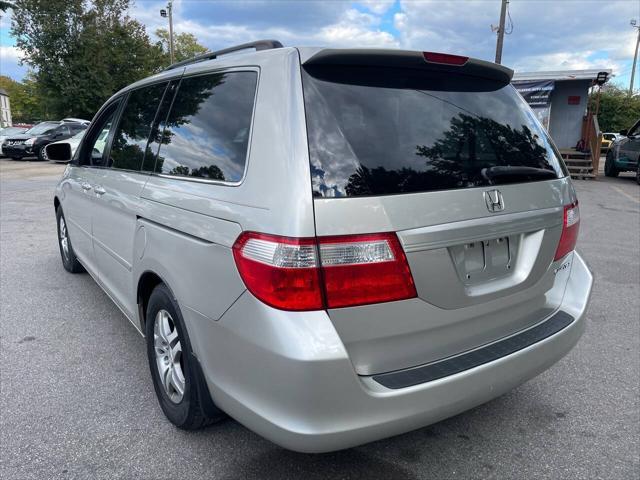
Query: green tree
[
  {"x": 27, "y": 104},
  {"x": 617, "y": 109},
  {"x": 82, "y": 52},
  {"x": 185, "y": 45}
]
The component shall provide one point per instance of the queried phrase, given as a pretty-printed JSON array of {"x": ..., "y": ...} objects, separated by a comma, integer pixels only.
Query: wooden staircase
[{"x": 579, "y": 164}]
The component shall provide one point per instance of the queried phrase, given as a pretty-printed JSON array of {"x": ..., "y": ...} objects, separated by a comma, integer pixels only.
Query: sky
[{"x": 545, "y": 34}]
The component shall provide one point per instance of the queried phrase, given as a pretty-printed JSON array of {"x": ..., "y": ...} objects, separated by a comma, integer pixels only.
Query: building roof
[
  {"x": 561, "y": 75},
  {"x": 3, "y": 92}
]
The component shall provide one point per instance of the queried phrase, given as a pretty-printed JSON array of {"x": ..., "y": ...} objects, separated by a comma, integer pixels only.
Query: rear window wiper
[{"x": 510, "y": 174}]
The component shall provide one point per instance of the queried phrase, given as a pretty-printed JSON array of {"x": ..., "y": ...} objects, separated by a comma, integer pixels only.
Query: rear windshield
[{"x": 378, "y": 131}]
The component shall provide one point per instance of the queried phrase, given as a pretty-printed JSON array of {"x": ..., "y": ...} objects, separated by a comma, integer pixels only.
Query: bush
[{"x": 618, "y": 110}]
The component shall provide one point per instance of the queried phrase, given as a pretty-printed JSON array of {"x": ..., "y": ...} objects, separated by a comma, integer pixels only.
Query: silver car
[{"x": 332, "y": 246}]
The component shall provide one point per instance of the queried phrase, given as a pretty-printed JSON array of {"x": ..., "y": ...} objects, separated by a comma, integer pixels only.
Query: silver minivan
[{"x": 331, "y": 246}]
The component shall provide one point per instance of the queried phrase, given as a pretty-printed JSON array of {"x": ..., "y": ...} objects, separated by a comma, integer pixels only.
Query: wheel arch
[{"x": 147, "y": 281}]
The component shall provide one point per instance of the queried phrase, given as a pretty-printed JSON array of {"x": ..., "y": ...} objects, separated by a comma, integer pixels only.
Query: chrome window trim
[{"x": 247, "y": 68}]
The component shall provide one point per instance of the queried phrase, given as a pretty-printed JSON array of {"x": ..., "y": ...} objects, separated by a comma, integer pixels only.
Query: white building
[
  {"x": 5, "y": 109},
  {"x": 560, "y": 100}
]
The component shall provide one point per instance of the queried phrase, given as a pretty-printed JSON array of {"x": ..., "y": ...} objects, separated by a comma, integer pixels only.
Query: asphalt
[{"x": 76, "y": 400}]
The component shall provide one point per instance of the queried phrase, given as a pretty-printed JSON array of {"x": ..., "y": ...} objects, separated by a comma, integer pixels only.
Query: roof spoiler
[{"x": 411, "y": 59}]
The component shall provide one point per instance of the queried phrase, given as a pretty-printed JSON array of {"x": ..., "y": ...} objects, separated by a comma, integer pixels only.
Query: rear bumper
[{"x": 288, "y": 377}]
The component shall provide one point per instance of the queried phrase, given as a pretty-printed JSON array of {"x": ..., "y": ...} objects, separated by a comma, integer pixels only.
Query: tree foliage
[
  {"x": 618, "y": 110},
  {"x": 82, "y": 52},
  {"x": 27, "y": 104},
  {"x": 185, "y": 45}
]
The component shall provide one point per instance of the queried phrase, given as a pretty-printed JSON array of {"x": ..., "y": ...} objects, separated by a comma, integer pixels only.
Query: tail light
[
  {"x": 282, "y": 272},
  {"x": 325, "y": 272},
  {"x": 570, "y": 228},
  {"x": 445, "y": 58}
]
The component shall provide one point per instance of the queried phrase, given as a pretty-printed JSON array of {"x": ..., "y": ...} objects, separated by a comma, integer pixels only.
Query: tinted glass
[
  {"x": 94, "y": 152},
  {"x": 149, "y": 163},
  {"x": 130, "y": 140},
  {"x": 40, "y": 128},
  {"x": 375, "y": 131},
  {"x": 62, "y": 130},
  {"x": 207, "y": 131}
]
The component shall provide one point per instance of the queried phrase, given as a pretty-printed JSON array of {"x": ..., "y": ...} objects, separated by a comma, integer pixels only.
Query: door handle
[
  {"x": 85, "y": 186},
  {"x": 99, "y": 190}
]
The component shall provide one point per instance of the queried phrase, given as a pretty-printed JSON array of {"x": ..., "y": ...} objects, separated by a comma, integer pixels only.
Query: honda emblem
[{"x": 494, "y": 200}]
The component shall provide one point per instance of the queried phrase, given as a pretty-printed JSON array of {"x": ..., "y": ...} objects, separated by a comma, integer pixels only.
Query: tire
[
  {"x": 185, "y": 399},
  {"x": 69, "y": 260},
  {"x": 42, "y": 155},
  {"x": 610, "y": 169},
  {"x": 16, "y": 158}
]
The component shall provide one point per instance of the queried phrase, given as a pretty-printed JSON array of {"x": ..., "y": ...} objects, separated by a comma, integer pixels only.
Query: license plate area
[{"x": 485, "y": 260}]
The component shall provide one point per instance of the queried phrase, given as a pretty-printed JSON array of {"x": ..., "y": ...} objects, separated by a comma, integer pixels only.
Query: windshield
[
  {"x": 378, "y": 131},
  {"x": 41, "y": 128}
]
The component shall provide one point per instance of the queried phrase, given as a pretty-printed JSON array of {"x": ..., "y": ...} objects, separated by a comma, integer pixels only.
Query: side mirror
[
  {"x": 624, "y": 132},
  {"x": 59, "y": 152}
]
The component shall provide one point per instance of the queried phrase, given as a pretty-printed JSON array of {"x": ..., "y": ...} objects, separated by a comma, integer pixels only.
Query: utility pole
[
  {"x": 503, "y": 14},
  {"x": 171, "y": 51},
  {"x": 163, "y": 13},
  {"x": 635, "y": 57}
]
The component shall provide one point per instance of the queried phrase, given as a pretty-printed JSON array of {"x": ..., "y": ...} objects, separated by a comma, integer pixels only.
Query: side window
[
  {"x": 149, "y": 163},
  {"x": 93, "y": 151},
  {"x": 207, "y": 131},
  {"x": 130, "y": 139}
]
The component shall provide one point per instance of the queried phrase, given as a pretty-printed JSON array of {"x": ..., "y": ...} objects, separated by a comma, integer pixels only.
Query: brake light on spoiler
[
  {"x": 445, "y": 58},
  {"x": 324, "y": 272}
]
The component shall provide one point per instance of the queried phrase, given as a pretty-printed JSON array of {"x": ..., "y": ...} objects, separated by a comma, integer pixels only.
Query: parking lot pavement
[{"x": 76, "y": 399}]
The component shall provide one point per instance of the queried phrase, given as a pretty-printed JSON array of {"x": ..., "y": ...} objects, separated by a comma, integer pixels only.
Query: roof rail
[{"x": 258, "y": 45}]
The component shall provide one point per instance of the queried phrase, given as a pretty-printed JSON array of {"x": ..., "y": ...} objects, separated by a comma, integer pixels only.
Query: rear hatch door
[{"x": 451, "y": 159}]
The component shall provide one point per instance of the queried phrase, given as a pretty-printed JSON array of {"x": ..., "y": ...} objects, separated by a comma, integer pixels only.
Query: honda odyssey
[{"x": 331, "y": 246}]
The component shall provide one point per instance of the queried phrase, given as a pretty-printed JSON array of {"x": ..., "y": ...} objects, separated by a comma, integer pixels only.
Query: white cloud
[
  {"x": 356, "y": 29},
  {"x": 379, "y": 7},
  {"x": 546, "y": 35},
  {"x": 8, "y": 53},
  {"x": 353, "y": 28}
]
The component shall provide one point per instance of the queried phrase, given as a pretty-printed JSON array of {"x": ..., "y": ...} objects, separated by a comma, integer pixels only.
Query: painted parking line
[{"x": 622, "y": 192}]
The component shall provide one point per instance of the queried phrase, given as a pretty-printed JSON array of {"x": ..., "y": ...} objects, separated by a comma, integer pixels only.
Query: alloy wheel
[
  {"x": 169, "y": 360},
  {"x": 64, "y": 238}
]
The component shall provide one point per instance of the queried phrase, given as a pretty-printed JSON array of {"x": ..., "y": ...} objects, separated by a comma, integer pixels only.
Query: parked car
[
  {"x": 608, "y": 139},
  {"x": 624, "y": 153},
  {"x": 32, "y": 142},
  {"x": 330, "y": 245},
  {"x": 7, "y": 132},
  {"x": 73, "y": 143}
]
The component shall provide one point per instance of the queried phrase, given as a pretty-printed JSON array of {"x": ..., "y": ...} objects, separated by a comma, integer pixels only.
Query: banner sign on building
[{"x": 537, "y": 93}]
